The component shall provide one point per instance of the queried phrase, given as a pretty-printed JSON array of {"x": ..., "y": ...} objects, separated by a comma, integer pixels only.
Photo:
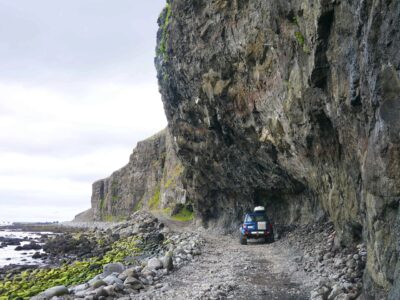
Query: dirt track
[{"x": 228, "y": 270}]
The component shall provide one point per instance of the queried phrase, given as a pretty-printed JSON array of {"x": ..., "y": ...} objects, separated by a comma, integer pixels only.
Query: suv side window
[{"x": 248, "y": 218}]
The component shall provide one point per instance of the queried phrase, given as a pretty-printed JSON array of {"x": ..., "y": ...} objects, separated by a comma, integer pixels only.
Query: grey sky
[{"x": 77, "y": 91}]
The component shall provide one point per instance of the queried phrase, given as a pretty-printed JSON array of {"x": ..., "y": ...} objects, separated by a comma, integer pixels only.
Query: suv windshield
[{"x": 256, "y": 218}]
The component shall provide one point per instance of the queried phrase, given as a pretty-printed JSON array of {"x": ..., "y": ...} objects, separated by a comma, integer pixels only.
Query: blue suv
[{"x": 256, "y": 225}]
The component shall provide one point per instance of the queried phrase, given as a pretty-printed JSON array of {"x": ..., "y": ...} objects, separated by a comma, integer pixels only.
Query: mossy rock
[{"x": 32, "y": 282}]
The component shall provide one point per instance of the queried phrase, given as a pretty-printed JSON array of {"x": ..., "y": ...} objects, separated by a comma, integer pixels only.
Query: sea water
[{"x": 8, "y": 255}]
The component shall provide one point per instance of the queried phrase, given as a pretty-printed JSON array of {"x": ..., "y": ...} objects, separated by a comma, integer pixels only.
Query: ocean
[{"x": 8, "y": 254}]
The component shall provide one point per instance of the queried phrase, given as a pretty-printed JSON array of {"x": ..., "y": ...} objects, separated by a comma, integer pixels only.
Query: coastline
[{"x": 82, "y": 257}]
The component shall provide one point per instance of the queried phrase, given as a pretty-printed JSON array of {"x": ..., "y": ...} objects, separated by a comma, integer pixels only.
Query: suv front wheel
[{"x": 242, "y": 239}]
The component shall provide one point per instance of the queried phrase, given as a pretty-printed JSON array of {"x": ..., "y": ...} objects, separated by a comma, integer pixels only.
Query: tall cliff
[
  {"x": 294, "y": 105},
  {"x": 152, "y": 180}
]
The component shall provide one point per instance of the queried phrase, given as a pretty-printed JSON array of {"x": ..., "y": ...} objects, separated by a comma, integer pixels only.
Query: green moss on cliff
[
  {"x": 173, "y": 176},
  {"x": 163, "y": 45},
  {"x": 302, "y": 42},
  {"x": 154, "y": 202},
  {"x": 101, "y": 205},
  {"x": 300, "y": 38}
]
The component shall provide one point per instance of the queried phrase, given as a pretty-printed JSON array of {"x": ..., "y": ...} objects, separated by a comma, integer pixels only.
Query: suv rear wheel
[
  {"x": 242, "y": 239},
  {"x": 270, "y": 239}
]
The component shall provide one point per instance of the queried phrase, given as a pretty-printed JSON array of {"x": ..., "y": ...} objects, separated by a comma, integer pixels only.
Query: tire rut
[{"x": 228, "y": 270}]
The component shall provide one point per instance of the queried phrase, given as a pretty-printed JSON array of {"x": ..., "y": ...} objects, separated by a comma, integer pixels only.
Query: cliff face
[
  {"x": 294, "y": 105},
  {"x": 151, "y": 180}
]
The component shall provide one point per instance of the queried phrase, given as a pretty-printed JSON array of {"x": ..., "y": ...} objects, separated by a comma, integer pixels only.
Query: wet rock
[
  {"x": 4, "y": 241},
  {"x": 30, "y": 246}
]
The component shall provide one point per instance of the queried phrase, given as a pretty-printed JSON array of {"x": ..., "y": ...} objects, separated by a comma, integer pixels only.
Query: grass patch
[
  {"x": 154, "y": 202},
  {"x": 167, "y": 211},
  {"x": 183, "y": 216},
  {"x": 31, "y": 282}
]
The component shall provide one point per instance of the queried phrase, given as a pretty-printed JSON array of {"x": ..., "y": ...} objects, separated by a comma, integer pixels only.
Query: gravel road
[{"x": 228, "y": 270}]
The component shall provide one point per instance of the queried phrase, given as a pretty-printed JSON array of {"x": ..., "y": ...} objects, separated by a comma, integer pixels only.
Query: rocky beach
[
  {"x": 147, "y": 257},
  {"x": 75, "y": 257}
]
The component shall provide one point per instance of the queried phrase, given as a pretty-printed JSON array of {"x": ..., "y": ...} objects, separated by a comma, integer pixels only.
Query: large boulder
[
  {"x": 108, "y": 269},
  {"x": 154, "y": 264},
  {"x": 52, "y": 292}
]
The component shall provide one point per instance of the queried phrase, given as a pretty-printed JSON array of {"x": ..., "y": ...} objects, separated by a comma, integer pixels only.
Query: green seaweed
[{"x": 32, "y": 282}]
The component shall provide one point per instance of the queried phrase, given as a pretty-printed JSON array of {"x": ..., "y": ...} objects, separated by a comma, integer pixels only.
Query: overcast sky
[{"x": 78, "y": 89}]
